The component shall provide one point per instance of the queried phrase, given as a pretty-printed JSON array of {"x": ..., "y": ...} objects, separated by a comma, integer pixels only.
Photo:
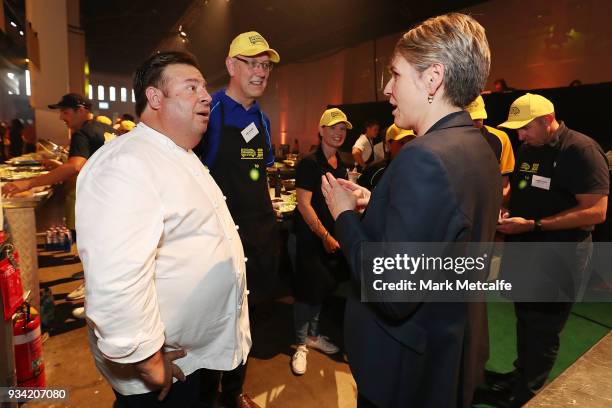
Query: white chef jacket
[{"x": 163, "y": 261}]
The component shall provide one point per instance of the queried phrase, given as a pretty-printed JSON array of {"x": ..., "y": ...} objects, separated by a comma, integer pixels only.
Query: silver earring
[{"x": 430, "y": 98}]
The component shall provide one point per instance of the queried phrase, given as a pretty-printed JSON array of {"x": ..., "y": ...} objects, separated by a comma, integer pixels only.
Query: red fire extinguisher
[{"x": 28, "y": 348}]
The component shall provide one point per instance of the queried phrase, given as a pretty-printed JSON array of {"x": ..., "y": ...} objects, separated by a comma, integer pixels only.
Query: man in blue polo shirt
[{"x": 237, "y": 149}]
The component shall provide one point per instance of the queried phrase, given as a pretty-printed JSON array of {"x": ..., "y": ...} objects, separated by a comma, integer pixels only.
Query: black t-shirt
[
  {"x": 547, "y": 178},
  {"x": 90, "y": 138},
  {"x": 308, "y": 177}
]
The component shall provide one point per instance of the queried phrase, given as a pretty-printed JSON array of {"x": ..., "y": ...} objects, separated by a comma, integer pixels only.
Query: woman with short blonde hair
[{"x": 444, "y": 186}]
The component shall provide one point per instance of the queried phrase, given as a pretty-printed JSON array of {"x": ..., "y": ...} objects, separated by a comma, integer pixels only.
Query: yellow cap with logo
[
  {"x": 396, "y": 133},
  {"x": 476, "y": 109},
  {"x": 527, "y": 108},
  {"x": 251, "y": 43},
  {"x": 332, "y": 116}
]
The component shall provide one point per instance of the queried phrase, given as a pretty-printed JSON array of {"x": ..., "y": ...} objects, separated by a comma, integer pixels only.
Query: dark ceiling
[{"x": 120, "y": 34}]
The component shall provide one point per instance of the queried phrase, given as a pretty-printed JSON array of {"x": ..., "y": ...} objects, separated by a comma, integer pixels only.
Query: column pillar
[{"x": 56, "y": 50}]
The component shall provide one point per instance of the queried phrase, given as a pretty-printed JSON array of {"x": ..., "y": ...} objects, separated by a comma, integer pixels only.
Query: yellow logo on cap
[
  {"x": 254, "y": 39},
  {"x": 336, "y": 115},
  {"x": 515, "y": 110}
]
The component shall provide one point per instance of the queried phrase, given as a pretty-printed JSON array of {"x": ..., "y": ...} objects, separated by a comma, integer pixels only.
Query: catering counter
[
  {"x": 20, "y": 215},
  {"x": 20, "y": 218}
]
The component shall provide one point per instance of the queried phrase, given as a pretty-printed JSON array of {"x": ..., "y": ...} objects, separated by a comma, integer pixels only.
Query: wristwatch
[{"x": 537, "y": 225}]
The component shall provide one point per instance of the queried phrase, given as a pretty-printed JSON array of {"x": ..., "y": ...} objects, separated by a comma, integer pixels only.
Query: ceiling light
[
  {"x": 20, "y": 32},
  {"x": 13, "y": 24}
]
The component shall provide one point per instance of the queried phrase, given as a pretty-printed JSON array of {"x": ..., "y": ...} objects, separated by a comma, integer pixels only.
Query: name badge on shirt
[
  {"x": 540, "y": 182},
  {"x": 249, "y": 132}
]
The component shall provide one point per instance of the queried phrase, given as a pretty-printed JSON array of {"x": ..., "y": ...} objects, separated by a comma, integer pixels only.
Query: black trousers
[
  {"x": 231, "y": 386},
  {"x": 538, "y": 328},
  {"x": 182, "y": 395}
]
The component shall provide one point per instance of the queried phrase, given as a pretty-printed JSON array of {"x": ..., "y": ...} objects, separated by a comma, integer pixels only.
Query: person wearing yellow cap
[
  {"x": 558, "y": 192},
  {"x": 237, "y": 149},
  {"x": 395, "y": 139},
  {"x": 478, "y": 113},
  {"x": 319, "y": 262}
]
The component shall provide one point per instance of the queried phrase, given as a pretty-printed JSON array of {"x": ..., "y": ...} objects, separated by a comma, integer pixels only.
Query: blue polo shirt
[{"x": 237, "y": 116}]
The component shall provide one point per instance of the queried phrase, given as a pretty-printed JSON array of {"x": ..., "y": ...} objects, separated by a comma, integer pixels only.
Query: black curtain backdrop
[{"x": 583, "y": 108}]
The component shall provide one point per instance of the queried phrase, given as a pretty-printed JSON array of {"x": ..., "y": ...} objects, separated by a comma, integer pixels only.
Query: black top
[
  {"x": 317, "y": 272},
  {"x": 444, "y": 186},
  {"x": 90, "y": 138},
  {"x": 547, "y": 178},
  {"x": 308, "y": 177}
]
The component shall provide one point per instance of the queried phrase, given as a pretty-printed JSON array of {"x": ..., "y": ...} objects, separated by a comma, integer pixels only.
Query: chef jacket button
[
  {"x": 224, "y": 197},
  {"x": 237, "y": 227},
  {"x": 245, "y": 259}
]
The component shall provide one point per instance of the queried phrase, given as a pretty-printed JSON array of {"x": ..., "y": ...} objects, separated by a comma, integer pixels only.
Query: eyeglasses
[{"x": 253, "y": 65}]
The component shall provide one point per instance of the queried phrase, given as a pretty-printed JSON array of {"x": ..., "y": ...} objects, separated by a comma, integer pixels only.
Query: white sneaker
[
  {"x": 322, "y": 344},
  {"x": 78, "y": 293},
  {"x": 298, "y": 361},
  {"x": 79, "y": 312}
]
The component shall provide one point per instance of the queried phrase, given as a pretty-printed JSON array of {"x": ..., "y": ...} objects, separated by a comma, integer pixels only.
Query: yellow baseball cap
[
  {"x": 104, "y": 119},
  {"x": 396, "y": 133},
  {"x": 476, "y": 109},
  {"x": 127, "y": 125},
  {"x": 332, "y": 116},
  {"x": 527, "y": 108},
  {"x": 251, "y": 43}
]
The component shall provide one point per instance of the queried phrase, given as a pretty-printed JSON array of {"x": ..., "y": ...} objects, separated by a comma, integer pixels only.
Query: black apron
[
  {"x": 240, "y": 171},
  {"x": 371, "y": 158},
  {"x": 318, "y": 273}
]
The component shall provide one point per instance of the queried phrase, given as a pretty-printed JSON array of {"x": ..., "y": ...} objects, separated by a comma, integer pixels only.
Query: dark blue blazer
[{"x": 443, "y": 187}]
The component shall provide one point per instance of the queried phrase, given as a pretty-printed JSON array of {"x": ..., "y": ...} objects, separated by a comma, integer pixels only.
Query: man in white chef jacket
[{"x": 164, "y": 264}]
